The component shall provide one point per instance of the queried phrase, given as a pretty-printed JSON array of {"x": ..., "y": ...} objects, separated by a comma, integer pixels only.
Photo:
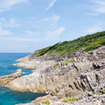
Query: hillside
[
  {"x": 77, "y": 79},
  {"x": 88, "y": 42}
]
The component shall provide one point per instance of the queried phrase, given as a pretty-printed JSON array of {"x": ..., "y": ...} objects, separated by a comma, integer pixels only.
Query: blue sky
[{"x": 28, "y": 25}]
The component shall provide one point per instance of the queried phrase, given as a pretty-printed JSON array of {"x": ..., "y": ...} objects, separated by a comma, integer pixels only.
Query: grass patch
[
  {"x": 97, "y": 93},
  {"x": 67, "y": 62},
  {"x": 104, "y": 90},
  {"x": 46, "y": 102},
  {"x": 69, "y": 99},
  {"x": 91, "y": 52},
  {"x": 55, "y": 66}
]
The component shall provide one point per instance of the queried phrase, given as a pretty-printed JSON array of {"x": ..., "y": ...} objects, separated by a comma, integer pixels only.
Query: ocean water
[{"x": 8, "y": 96}]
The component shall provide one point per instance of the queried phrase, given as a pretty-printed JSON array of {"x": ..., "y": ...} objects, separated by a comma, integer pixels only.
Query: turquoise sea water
[{"x": 8, "y": 96}]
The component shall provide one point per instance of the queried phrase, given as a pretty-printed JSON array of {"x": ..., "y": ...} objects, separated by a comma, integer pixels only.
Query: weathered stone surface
[
  {"x": 5, "y": 80},
  {"x": 49, "y": 80},
  {"x": 41, "y": 99},
  {"x": 37, "y": 63},
  {"x": 74, "y": 75}
]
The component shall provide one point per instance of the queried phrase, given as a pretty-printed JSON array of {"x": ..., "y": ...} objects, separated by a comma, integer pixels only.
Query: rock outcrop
[
  {"x": 83, "y": 72},
  {"x": 35, "y": 63},
  {"x": 73, "y": 76},
  {"x": 5, "y": 80}
]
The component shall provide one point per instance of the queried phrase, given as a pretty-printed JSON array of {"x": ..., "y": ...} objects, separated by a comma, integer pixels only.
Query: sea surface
[{"x": 8, "y": 96}]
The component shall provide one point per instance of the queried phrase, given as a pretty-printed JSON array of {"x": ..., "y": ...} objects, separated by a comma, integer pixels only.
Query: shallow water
[
  {"x": 8, "y": 59},
  {"x": 8, "y": 96}
]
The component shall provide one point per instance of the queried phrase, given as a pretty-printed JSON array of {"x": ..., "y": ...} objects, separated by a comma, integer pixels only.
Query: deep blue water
[{"x": 8, "y": 96}]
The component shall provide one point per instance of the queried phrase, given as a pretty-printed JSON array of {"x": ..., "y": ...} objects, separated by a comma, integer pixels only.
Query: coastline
[
  {"x": 34, "y": 63},
  {"x": 6, "y": 79},
  {"x": 61, "y": 79}
]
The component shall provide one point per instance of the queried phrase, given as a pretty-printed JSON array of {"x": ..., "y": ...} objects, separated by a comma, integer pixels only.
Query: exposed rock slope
[
  {"x": 78, "y": 73},
  {"x": 70, "y": 69}
]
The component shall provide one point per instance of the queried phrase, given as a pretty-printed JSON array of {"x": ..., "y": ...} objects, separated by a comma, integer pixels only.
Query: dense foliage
[{"x": 88, "y": 42}]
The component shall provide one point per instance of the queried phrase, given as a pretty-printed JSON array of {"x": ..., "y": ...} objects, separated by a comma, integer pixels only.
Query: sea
[{"x": 8, "y": 96}]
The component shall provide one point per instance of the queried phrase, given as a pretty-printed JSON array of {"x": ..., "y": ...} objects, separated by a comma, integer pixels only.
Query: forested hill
[{"x": 88, "y": 42}]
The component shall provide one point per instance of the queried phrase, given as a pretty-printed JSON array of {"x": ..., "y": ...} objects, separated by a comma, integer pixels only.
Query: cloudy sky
[{"x": 28, "y": 25}]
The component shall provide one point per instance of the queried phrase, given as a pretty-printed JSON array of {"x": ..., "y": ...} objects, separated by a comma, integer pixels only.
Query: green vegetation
[
  {"x": 97, "y": 93},
  {"x": 67, "y": 62},
  {"x": 91, "y": 91},
  {"x": 88, "y": 43},
  {"x": 91, "y": 52},
  {"x": 45, "y": 50},
  {"x": 104, "y": 90},
  {"x": 68, "y": 99},
  {"x": 46, "y": 102},
  {"x": 55, "y": 65}
]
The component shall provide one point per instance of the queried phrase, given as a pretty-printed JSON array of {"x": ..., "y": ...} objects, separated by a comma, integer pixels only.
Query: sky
[{"x": 29, "y": 25}]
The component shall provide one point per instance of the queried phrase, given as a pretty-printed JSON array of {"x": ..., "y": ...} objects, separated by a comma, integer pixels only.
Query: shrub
[
  {"x": 67, "y": 62},
  {"x": 91, "y": 52},
  {"x": 97, "y": 93},
  {"x": 104, "y": 90},
  {"x": 55, "y": 65},
  {"x": 68, "y": 99},
  {"x": 46, "y": 102}
]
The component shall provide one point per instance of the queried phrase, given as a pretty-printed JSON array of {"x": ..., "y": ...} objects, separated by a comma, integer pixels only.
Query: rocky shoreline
[
  {"x": 80, "y": 75},
  {"x": 5, "y": 80}
]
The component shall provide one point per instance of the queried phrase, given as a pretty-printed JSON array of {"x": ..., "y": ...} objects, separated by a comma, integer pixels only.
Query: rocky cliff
[
  {"x": 76, "y": 75},
  {"x": 72, "y": 72}
]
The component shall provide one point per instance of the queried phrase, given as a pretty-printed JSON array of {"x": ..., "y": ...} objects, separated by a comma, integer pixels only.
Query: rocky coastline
[
  {"x": 5, "y": 80},
  {"x": 80, "y": 75}
]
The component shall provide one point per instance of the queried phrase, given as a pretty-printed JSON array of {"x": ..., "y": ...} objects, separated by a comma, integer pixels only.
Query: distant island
[{"x": 69, "y": 72}]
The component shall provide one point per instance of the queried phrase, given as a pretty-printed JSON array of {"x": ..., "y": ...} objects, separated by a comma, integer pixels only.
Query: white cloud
[
  {"x": 51, "y": 4},
  {"x": 99, "y": 7},
  {"x": 4, "y": 32},
  {"x": 12, "y": 23},
  {"x": 43, "y": 29},
  {"x": 43, "y": 24},
  {"x": 49, "y": 27},
  {"x": 8, "y": 4},
  {"x": 2, "y": 19},
  {"x": 5, "y": 24},
  {"x": 94, "y": 29},
  {"x": 54, "y": 35},
  {"x": 28, "y": 32},
  {"x": 13, "y": 38},
  {"x": 50, "y": 22},
  {"x": 8, "y": 23},
  {"x": 54, "y": 18}
]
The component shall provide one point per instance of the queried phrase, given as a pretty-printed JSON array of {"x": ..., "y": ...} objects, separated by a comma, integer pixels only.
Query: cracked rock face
[
  {"x": 77, "y": 74},
  {"x": 81, "y": 76}
]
